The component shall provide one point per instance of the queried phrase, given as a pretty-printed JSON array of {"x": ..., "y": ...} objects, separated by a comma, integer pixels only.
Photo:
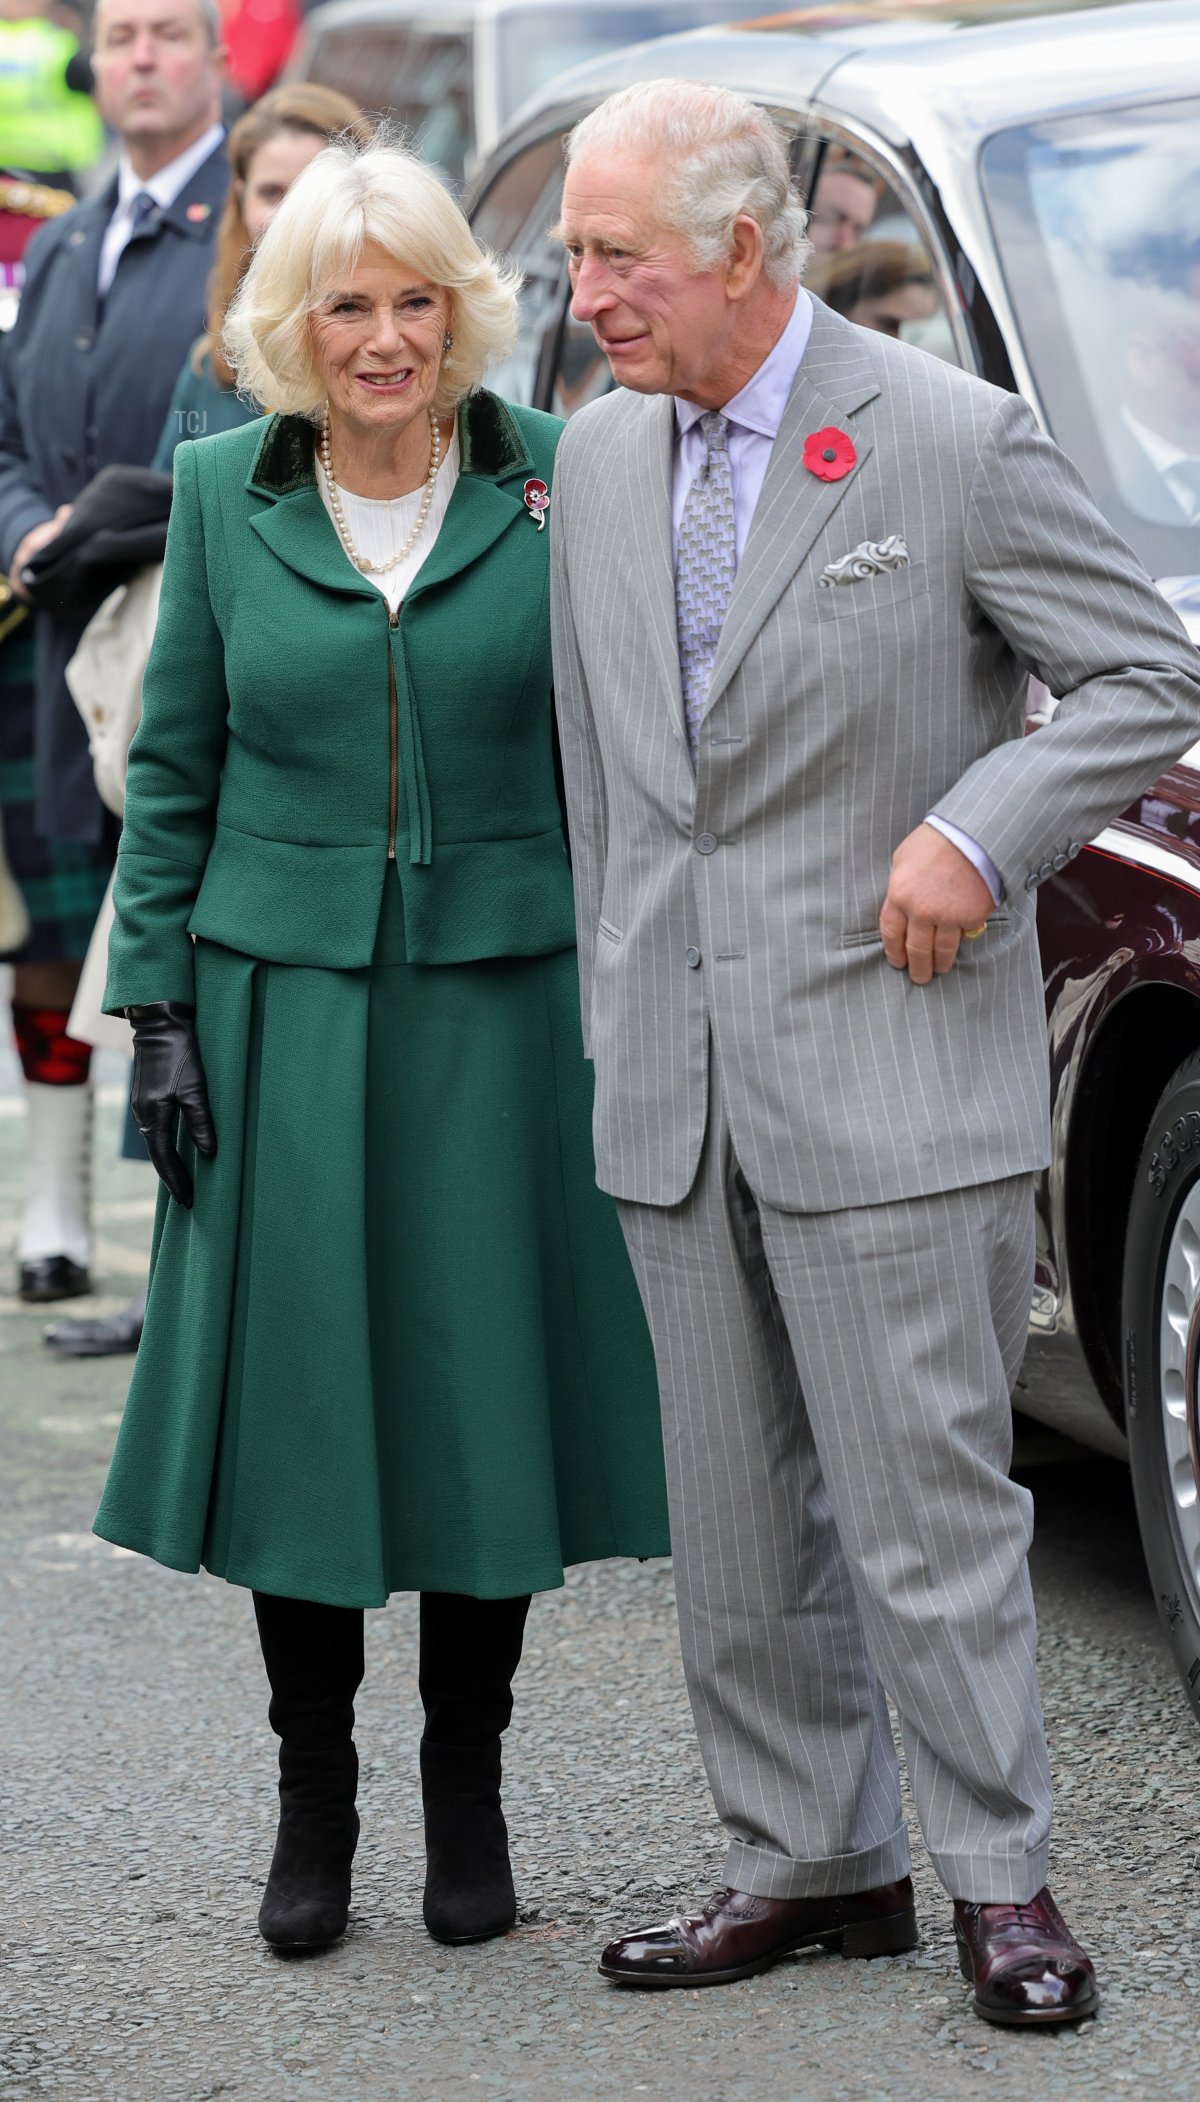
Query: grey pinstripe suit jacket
[{"x": 839, "y": 717}]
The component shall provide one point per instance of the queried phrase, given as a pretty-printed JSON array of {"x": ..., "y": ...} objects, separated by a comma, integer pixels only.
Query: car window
[
  {"x": 581, "y": 372},
  {"x": 1097, "y": 220},
  {"x": 515, "y": 210},
  {"x": 870, "y": 261},
  {"x": 514, "y": 216},
  {"x": 417, "y": 77}
]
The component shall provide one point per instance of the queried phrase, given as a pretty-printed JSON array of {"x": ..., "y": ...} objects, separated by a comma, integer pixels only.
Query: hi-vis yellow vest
[{"x": 44, "y": 125}]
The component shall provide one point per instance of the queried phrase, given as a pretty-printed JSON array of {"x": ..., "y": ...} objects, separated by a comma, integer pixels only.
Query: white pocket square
[{"x": 869, "y": 559}]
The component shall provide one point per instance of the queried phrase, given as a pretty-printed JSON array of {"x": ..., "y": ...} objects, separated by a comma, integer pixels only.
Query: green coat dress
[{"x": 396, "y": 1344}]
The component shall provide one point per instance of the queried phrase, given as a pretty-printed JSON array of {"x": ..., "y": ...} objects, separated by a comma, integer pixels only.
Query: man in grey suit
[{"x": 802, "y": 574}]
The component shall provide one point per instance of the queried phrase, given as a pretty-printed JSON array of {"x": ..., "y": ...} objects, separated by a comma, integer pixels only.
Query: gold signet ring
[{"x": 972, "y": 934}]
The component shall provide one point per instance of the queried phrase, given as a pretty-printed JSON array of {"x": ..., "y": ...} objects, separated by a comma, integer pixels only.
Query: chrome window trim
[{"x": 888, "y": 163}]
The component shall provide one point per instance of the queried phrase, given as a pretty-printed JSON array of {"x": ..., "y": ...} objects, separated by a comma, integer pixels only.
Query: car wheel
[{"x": 1161, "y": 1323}]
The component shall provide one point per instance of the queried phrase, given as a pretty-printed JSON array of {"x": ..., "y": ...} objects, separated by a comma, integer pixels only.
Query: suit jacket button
[
  {"x": 707, "y": 843},
  {"x": 84, "y": 339},
  {"x": 692, "y": 959}
]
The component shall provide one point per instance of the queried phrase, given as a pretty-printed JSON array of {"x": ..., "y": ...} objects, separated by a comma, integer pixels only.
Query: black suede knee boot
[
  {"x": 470, "y": 1648},
  {"x": 314, "y": 1660}
]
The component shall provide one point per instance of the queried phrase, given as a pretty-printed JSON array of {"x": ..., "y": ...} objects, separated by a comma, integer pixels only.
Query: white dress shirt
[
  {"x": 754, "y": 416},
  {"x": 164, "y": 187}
]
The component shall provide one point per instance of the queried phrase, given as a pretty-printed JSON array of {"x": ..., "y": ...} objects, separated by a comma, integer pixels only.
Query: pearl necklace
[{"x": 363, "y": 562}]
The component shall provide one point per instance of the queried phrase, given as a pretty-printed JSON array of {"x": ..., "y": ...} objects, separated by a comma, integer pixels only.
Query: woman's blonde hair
[{"x": 346, "y": 197}]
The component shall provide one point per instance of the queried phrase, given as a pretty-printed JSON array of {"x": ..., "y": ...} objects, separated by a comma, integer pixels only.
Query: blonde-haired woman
[{"x": 392, "y": 1341}]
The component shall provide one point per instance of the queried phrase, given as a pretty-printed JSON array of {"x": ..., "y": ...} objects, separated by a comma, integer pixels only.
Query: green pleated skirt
[{"x": 396, "y": 1345}]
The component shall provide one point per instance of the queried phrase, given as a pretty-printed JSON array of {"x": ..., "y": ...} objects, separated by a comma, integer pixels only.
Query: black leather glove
[{"x": 168, "y": 1082}]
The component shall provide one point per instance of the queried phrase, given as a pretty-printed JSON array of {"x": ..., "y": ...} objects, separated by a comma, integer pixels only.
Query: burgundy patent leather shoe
[
  {"x": 1024, "y": 1962},
  {"x": 737, "y": 1934}
]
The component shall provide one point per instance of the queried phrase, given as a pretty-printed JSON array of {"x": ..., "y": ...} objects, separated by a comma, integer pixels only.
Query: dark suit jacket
[{"x": 83, "y": 385}]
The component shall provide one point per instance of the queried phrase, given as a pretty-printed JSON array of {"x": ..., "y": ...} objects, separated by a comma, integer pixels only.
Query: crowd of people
[{"x": 587, "y": 1034}]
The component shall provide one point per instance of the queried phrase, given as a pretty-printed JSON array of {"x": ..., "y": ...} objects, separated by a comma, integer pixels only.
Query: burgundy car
[{"x": 1016, "y": 188}]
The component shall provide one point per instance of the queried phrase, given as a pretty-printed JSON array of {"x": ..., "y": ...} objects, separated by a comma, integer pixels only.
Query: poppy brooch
[
  {"x": 537, "y": 502},
  {"x": 829, "y": 454}
]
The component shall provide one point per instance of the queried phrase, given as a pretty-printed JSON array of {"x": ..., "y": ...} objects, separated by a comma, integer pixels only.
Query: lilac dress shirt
[{"x": 755, "y": 415}]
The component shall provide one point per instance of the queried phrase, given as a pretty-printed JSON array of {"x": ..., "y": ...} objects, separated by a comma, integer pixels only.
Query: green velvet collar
[{"x": 489, "y": 440}]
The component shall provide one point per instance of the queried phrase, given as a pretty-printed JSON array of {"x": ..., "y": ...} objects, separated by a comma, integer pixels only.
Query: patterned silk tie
[{"x": 705, "y": 567}]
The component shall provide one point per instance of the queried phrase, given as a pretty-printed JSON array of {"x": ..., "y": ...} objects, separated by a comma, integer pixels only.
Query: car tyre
[{"x": 1161, "y": 1334}]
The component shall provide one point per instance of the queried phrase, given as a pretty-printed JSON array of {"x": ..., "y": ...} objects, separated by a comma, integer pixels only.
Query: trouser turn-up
[{"x": 835, "y": 1392}]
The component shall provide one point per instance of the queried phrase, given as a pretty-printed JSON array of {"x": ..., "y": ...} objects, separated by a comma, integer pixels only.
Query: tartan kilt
[{"x": 62, "y": 881}]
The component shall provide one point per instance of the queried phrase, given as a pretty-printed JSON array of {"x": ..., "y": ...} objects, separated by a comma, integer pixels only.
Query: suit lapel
[
  {"x": 192, "y": 215},
  {"x": 83, "y": 242},
  {"x": 476, "y": 515},
  {"x": 192, "y": 218},
  {"x": 206, "y": 189},
  {"x": 295, "y": 524},
  {"x": 489, "y": 495},
  {"x": 835, "y": 379},
  {"x": 645, "y": 502},
  {"x": 298, "y": 529}
]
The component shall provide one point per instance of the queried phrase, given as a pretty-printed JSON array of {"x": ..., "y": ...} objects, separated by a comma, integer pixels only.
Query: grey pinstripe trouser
[{"x": 835, "y": 1391}]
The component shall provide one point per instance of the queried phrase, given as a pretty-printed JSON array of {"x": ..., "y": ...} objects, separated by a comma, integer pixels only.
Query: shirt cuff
[{"x": 974, "y": 852}]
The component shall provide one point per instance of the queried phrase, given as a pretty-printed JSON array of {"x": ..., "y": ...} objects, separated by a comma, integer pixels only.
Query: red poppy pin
[
  {"x": 198, "y": 213},
  {"x": 829, "y": 454},
  {"x": 537, "y": 502}
]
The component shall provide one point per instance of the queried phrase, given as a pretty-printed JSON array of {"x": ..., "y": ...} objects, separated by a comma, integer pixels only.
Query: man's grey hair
[
  {"x": 209, "y": 12},
  {"x": 725, "y": 157}
]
